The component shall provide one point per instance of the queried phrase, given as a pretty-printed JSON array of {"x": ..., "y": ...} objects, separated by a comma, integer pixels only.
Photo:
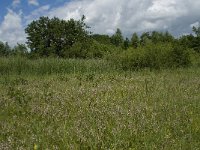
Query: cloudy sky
[{"x": 103, "y": 16}]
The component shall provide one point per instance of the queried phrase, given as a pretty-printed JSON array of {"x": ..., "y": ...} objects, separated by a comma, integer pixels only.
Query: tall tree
[
  {"x": 196, "y": 41},
  {"x": 54, "y": 36},
  {"x": 117, "y": 38},
  {"x": 168, "y": 37},
  {"x": 145, "y": 38},
  {"x": 103, "y": 39},
  {"x": 126, "y": 43},
  {"x": 5, "y": 49},
  {"x": 20, "y": 50},
  {"x": 156, "y": 37},
  {"x": 135, "y": 40}
]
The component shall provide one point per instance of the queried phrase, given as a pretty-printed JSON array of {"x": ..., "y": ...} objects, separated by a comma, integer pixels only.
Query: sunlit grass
[{"x": 101, "y": 109}]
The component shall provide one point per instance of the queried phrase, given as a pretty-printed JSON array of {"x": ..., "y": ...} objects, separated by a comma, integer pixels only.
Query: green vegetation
[
  {"x": 51, "y": 37},
  {"x": 90, "y": 104},
  {"x": 71, "y": 39},
  {"x": 97, "y": 108},
  {"x": 71, "y": 89},
  {"x": 52, "y": 66},
  {"x": 153, "y": 56}
]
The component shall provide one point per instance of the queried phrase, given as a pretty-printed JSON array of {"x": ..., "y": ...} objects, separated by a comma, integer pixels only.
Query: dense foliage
[
  {"x": 55, "y": 37},
  {"x": 71, "y": 39},
  {"x": 153, "y": 56},
  {"x": 4, "y": 49},
  {"x": 18, "y": 50}
]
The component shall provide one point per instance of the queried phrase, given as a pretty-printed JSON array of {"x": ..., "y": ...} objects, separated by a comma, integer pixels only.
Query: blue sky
[
  {"x": 103, "y": 16},
  {"x": 26, "y": 6}
]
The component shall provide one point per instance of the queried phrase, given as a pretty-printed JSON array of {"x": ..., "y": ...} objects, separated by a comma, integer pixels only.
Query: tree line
[{"x": 54, "y": 37}]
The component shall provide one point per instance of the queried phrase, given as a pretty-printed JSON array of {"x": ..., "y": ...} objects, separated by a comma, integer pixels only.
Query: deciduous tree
[
  {"x": 48, "y": 37},
  {"x": 117, "y": 38},
  {"x": 135, "y": 40}
]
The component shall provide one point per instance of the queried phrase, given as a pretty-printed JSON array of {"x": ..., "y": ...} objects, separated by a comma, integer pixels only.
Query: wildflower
[{"x": 35, "y": 147}]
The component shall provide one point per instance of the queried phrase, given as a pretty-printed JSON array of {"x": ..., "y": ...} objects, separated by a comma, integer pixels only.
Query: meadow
[{"x": 92, "y": 104}]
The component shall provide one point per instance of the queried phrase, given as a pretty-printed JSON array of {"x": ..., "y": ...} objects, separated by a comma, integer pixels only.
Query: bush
[
  {"x": 179, "y": 57},
  {"x": 93, "y": 49},
  {"x": 153, "y": 56},
  {"x": 5, "y": 49},
  {"x": 99, "y": 50},
  {"x": 20, "y": 50}
]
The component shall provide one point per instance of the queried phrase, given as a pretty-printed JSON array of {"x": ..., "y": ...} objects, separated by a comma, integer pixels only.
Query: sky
[{"x": 103, "y": 16}]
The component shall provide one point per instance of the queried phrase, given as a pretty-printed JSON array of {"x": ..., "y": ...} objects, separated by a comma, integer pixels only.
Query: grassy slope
[{"x": 101, "y": 110}]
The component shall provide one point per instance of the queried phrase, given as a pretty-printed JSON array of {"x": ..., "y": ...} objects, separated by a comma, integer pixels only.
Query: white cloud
[
  {"x": 15, "y": 3},
  {"x": 11, "y": 29},
  {"x": 33, "y": 2},
  {"x": 37, "y": 13},
  {"x": 196, "y": 24},
  {"x": 104, "y": 16}
]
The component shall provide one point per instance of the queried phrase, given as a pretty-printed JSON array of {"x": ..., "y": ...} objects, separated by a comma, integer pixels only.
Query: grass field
[{"x": 86, "y": 104}]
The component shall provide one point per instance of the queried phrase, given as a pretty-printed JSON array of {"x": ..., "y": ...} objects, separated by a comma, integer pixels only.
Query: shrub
[
  {"x": 99, "y": 50},
  {"x": 153, "y": 56},
  {"x": 20, "y": 50},
  {"x": 93, "y": 49},
  {"x": 5, "y": 49},
  {"x": 179, "y": 57}
]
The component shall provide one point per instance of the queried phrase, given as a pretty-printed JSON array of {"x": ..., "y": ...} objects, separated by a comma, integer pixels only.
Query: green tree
[
  {"x": 48, "y": 37},
  {"x": 20, "y": 50},
  {"x": 103, "y": 39},
  {"x": 5, "y": 49},
  {"x": 126, "y": 43},
  {"x": 168, "y": 37},
  {"x": 196, "y": 30},
  {"x": 196, "y": 41},
  {"x": 145, "y": 38},
  {"x": 156, "y": 37},
  {"x": 117, "y": 38},
  {"x": 135, "y": 41},
  {"x": 187, "y": 40}
]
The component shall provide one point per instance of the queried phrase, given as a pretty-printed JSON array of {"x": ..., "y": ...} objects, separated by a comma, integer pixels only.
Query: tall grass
[
  {"x": 48, "y": 66},
  {"x": 127, "y": 110},
  {"x": 92, "y": 104}
]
